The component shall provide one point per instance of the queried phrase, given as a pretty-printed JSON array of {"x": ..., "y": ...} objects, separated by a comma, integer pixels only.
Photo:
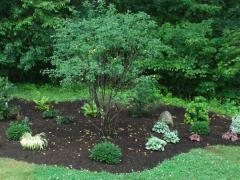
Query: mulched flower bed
[{"x": 69, "y": 145}]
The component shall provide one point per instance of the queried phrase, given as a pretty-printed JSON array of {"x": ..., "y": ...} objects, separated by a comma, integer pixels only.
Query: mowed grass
[{"x": 213, "y": 162}]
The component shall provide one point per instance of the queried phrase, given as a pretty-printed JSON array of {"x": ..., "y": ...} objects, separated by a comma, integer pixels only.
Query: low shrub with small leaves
[
  {"x": 17, "y": 129},
  {"x": 161, "y": 127},
  {"x": 14, "y": 112},
  {"x": 37, "y": 142},
  {"x": 90, "y": 110},
  {"x": 201, "y": 128},
  {"x": 106, "y": 152},
  {"x": 64, "y": 119},
  {"x": 196, "y": 111},
  {"x": 235, "y": 125},
  {"x": 155, "y": 144},
  {"x": 49, "y": 114},
  {"x": 171, "y": 137}
]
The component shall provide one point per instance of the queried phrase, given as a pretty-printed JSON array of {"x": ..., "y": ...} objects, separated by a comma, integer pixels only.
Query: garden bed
[{"x": 69, "y": 145}]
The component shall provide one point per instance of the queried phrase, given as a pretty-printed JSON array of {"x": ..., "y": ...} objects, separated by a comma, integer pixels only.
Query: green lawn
[{"x": 213, "y": 162}]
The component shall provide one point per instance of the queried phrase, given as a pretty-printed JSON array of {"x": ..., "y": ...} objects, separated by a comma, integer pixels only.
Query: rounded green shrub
[
  {"x": 106, "y": 152},
  {"x": 200, "y": 127},
  {"x": 17, "y": 129}
]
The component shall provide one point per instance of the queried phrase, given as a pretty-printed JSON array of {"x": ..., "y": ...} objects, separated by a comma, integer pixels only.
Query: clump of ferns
[{"x": 35, "y": 143}]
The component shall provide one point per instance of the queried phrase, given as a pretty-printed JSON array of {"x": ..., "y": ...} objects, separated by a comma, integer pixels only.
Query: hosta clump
[
  {"x": 235, "y": 125},
  {"x": 51, "y": 113},
  {"x": 155, "y": 144},
  {"x": 37, "y": 142},
  {"x": 106, "y": 152},
  {"x": 201, "y": 128},
  {"x": 90, "y": 109},
  {"x": 196, "y": 111},
  {"x": 64, "y": 119},
  {"x": 17, "y": 129},
  {"x": 171, "y": 137},
  {"x": 161, "y": 127}
]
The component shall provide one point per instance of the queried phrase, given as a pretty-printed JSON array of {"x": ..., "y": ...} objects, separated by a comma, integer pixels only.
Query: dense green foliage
[
  {"x": 25, "y": 33},
  {"x": 90, "y": 109},
  {"x": 142, "y": 95},
  {"x": 106, "y": 152},
  {"x": 17, "y": 129},
  {"x": 196, "y": 112},
  {"x": 200, "y": 127},
  {"x": 5, "y": 90},
  {"x": 195, "y": 49}
]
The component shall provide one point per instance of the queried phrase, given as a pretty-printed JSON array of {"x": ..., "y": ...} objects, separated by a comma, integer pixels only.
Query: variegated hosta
[{"x": 37, "y": 142}]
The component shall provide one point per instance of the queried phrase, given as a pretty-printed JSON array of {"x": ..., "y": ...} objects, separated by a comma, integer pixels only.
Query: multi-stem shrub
[
  {"x": 200, "y": 127},
  {"x": 155, "y": 144},
  {"x": 104, "y": 51},
  {"x": 171, "y": 137},
  {"x": 64, "y": 119},
  {"x": 235, "y": 125},
  {"x": 37, "y": 142},
  {"x": 196, "y": 111},
  {"x": 106, "y": 152},
  {"x": 17, "y": 129},
  {"x": 49, "y": 114},
  {"x": 161, "y": 127}
]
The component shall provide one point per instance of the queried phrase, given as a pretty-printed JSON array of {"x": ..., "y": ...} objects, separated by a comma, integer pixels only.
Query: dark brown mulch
[{"x": 69, "y": 144}]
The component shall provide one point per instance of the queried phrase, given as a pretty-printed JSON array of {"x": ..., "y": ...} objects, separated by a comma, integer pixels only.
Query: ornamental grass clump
[{"x": 37, "y": 142}]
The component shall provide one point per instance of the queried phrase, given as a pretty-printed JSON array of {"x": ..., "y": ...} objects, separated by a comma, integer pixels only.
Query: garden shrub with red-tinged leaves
[
  {"x": 230, "y": 136},
  {"x": 195, "y": 137}
]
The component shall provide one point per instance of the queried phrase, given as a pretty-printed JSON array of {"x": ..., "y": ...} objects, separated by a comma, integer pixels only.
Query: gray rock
[{"x": 166, "y": 117}]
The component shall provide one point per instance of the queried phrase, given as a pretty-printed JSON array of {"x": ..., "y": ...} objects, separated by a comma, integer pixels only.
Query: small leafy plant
[
  {"x": 4, "y": 111},
  {"x": 142, "y": 95},
  {"x": 90, "y": 109},
  {"x": 155, "y": 144},
  {"x": 200, "y": 127},
  {"x": 161, "y": 127},
  {"x": 195, "y": 137},
  {"x": 42, "y": 102},
  {"x": 171, "y": 137},
  {"x": 235, "y": 125},
  {"x": 64, "y": 119},
  {"x": 49, "y": 114},
  {"x": 17, "y": 129},
  {"x": 14, "y": 112},
  {"x": 230, "y": 136},
  {"x": 196, "y": 111},
  {"x": 106, "y": 152},
  {"x": 37, "y": 142}
]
